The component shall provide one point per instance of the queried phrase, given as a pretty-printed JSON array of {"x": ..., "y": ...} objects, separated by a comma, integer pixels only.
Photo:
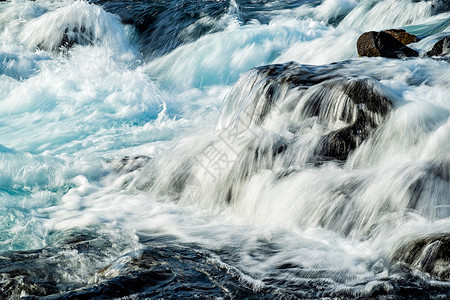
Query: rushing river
[{"x": 222, "y": 149}]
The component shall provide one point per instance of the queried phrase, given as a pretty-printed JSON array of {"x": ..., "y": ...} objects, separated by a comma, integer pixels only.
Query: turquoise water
[{"x": 100, "y": 145}]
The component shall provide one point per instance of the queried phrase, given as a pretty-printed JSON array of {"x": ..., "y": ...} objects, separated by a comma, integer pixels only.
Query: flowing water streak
[{"x": 105, "y": 155}]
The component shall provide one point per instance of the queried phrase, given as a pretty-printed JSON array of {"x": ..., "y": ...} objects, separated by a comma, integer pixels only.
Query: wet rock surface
[
  {"x": 361, "y": 103},
  {"x": 441, "y": 48},
  {"x": 370, "y": 107},
  {"x": 383, "y": 44},
  {"x": 402, "y": 36},
  {"x": 429, "y": 254}
]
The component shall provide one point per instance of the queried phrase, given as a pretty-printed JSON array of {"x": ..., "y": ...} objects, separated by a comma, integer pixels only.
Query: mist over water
[{"x": 222, "y": 149}]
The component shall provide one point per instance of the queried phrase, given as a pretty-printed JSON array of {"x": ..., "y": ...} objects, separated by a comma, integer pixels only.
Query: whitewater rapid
[{"x": 178, "y": 149}]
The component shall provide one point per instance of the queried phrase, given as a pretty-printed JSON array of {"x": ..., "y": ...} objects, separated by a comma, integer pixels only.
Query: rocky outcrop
[
  {"x": 429, "y": 254},
  {"x": 358, "y": 104},
  {"x": 382, "y": 44},
  {"x": 392, "y": 44},
  {"x": 339, "y": 143},
  {"x": 441, "y": 48},
  {"x": 371, "y": 105}
]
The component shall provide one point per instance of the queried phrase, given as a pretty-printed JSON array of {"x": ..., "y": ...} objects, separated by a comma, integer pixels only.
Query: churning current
[{"x": 229, "y": 149}]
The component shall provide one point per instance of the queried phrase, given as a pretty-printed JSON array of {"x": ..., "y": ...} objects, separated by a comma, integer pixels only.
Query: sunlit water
[{"x": 142, "y": 156}]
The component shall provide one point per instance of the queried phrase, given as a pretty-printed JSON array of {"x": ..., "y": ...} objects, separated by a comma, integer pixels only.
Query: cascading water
[{"x": 222, "y": 149}]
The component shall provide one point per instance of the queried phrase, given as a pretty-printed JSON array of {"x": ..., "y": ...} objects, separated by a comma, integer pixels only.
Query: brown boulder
[
  {"x": 382, "y": 44},
  {"x": 402, "y": 36}
]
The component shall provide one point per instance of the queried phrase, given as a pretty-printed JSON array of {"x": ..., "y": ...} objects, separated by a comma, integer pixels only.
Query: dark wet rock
[
  {"x": 372, "y": 106},
  {"x": 429, "y": 254},
  {"x": 261, "y": 152},
  {"x": 338, "y": 144},
  {"x": 163, "y": 267},
  {"x": 382, "y": 44},
  {"x": 324, "y": 113},
  {"x": 297, "y": 75},
  {"x": 37, "y": 273},
  {"x": 441, "y": 48},
  {"x": 363, "y": 104},
  {"x": 267, "y": 82},
  {"x": 126, "y": 166},
  {"x": 167, "y": 270},
  {"x": 402, "y": 36}
]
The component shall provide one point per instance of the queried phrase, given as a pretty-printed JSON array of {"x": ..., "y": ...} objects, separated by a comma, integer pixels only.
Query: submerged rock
[
  {"x": 384, "y": 44},
  {"x": 76, "y": 36},
  {"x": 429, "y": 254},
  {"x": 440, "y": 6},
  {"x": 371, "y": 106},
  {"x": 68, "y": 38},
  {"x": 441, "y": 48},
  {"x": 339, "y": 143},
  {"x": 79, "y": 23},
  {"x": 359, "y": 105},
  {"x": 276, "y": 120},
  {"x": 128, "y": 164}
]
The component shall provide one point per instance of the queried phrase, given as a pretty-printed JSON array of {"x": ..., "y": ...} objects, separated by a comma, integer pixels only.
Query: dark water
[
  {"x": 161, "y": 23},
  {"x": 165, "y": 268}
]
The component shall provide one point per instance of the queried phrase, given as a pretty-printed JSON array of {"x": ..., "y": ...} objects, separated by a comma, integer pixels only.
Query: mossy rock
[{"x": 402, "y": 36}]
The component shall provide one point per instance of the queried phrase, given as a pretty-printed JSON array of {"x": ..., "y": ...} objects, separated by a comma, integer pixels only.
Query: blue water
[{"x": 110, "y": 112}]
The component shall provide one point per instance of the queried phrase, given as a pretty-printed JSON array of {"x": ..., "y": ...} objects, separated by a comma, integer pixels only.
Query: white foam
[
  {"x": 376, "y": 15},
  {"x": 409, "y": 145},
  {"x": 220, "y": 57},
  {"x": 63, "y": 116},
  {"x": 79, "y": 21},
  {"x": 334, "y": 45},
  {"x": 330, "y": 10}
]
